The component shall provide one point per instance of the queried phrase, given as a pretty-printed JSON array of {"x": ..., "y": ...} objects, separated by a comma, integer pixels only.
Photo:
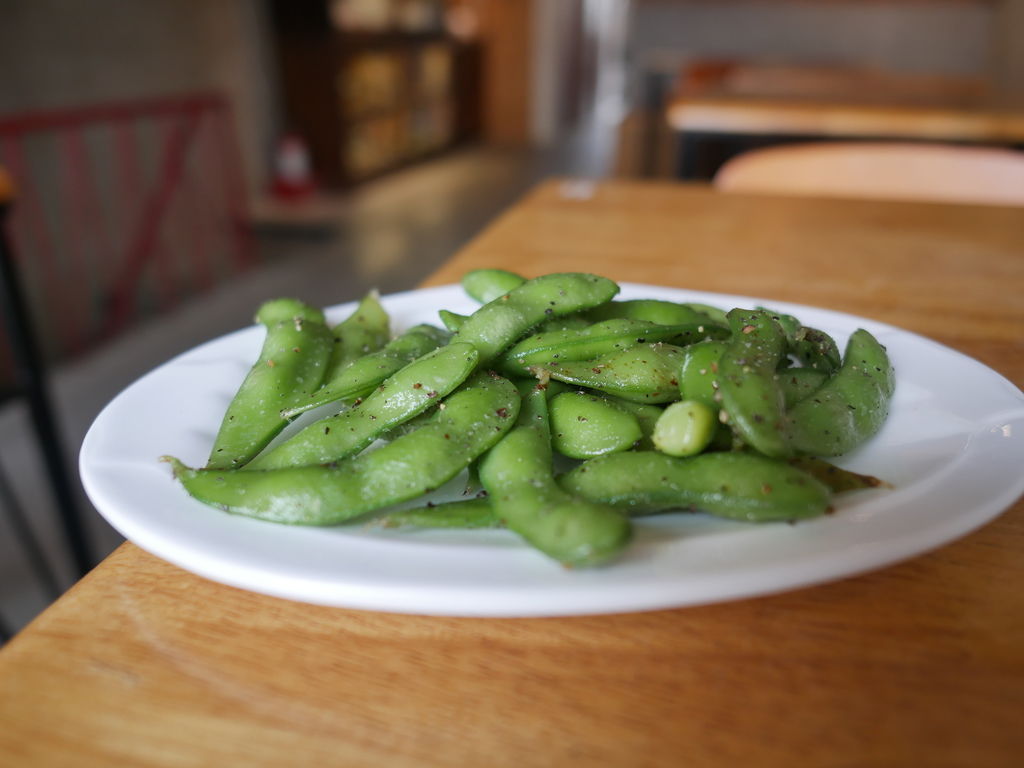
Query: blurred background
[{"x": 176, "y": 162}]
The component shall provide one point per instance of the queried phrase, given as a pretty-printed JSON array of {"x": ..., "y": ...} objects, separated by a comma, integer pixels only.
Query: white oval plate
[{"x": 953, "y": 448}]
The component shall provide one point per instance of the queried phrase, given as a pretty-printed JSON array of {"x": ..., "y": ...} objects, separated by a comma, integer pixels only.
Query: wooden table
[
  {"x": 736, "y": 110},
  {"x": 920, "y": 664}
]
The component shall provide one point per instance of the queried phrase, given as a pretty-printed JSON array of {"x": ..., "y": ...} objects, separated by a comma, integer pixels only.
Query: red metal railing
[{"x": 123, "y": 210}]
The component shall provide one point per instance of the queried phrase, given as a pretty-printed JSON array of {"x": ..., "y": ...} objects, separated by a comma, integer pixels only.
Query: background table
[
  {"x": 720, "y": 109},
  {"x": 918, "y": 664}
]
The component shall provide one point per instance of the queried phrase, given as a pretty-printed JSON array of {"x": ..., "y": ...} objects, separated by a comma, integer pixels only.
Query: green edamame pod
[
  {"x": 475, "y": 417},
  {"x": 799, "y": 383},
  {"x": 736, "y": 485},
  {"x": 593, "y": 341},
  {"x": 467, "y": 514},
  {"x": 584, "y": 426},
  {"x": 452, "y": 321},
  {"x": 567, "y": 323},
  {"x": 401, "y": 397},
  {"x": 292, "y": 364},
  {"x": 813, "y": 348},
  {"x": 698, "y": 372},
  {"x": 645, "y": 414},
  {"x": 751, "y": 396},
  {"x": 790, "y": 325},
  {"x": 714, "y": 314},
  {"x": 486, "y": 285},
  {"x": 839, "y": 480},
  {"x": 496, "y": 326},
  {"x": 366, "y": 330},
  {"x": 518, "y": 477},
  {"x": 644, "y": 373},
  {"x": 851, "y": 406},
  {"x": 365, "y": 374},
  {"x": 685, "y": 428},
  {"x": 816, "y": 350},
  {"x": 651, "y": 311}
]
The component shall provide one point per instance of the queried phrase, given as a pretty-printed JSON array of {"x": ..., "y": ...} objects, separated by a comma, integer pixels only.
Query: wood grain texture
[
  {"x": 920, "y": 664},
  {"x": 789, "y": 117}
]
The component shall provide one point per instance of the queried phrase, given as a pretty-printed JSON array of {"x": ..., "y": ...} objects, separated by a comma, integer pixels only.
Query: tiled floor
[{"x": 390, "y": 236}]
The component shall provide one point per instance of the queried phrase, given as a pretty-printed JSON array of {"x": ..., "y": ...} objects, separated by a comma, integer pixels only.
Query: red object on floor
[{"x": 293, "y": 174}]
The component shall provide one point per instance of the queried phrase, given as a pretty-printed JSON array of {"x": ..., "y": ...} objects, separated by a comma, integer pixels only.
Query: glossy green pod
[
  {"x": 451, "y": 320},
  {"x": 606, "y": 337},
  {"x": 584, "y": 426},
  {"x": 495, "y": 326},
  {"x": 651, "y": 311},
  {"x": 799, "y": 383},
  {"x": 735, "y": 485},
  {"x": 401, "y": 397},
  {"x": 463, "y": 514},
  {"x": 486, "y": 285},
  {"x": 366, "y": 330},
  {"x": 365, "y": 374},
  {"x": 292, "y": 364},
  {"x": 751, "y": 396},
  {"x": 643, "y": 373},
  {"x": 517, "y": 474},
  {"x": 474, "y": 418},
  {"x": 838, "y": 479},
  {"x": 698, "y": 372},
  {"x": 851, "y": 406}
]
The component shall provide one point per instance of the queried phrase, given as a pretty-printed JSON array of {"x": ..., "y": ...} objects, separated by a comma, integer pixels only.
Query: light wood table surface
[
  {"x": 771, "y": 116},
  {"x": 919, "y": 664},
  {"x": 699, "y": 119}
]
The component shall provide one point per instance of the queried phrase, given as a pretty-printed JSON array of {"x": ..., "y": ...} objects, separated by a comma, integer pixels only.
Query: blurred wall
[
  {"x": 942, "y": 37},
  {"x": 62, "y": 53}
]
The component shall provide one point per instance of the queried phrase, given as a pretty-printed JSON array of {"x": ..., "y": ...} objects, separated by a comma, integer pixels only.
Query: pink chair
[{"x": 894, "y": 171}]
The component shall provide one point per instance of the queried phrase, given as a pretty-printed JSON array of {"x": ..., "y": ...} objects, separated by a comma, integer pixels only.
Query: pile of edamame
[{"x": 653, "y": 406}]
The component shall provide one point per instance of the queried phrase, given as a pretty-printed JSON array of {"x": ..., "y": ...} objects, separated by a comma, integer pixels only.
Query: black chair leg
[
  {"x": 31, "y": 382},
  {"x": 29, "y": 544}
]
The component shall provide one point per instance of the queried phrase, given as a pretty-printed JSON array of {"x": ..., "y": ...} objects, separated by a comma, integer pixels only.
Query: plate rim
[{"x": 380, "y": 598}]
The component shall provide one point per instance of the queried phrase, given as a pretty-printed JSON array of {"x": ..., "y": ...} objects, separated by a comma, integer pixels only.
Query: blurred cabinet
[{"x": 374, "y": 85}]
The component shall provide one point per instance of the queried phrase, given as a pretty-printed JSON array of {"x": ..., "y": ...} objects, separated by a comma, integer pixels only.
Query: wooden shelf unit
[{"x": 369, "y": 102}]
